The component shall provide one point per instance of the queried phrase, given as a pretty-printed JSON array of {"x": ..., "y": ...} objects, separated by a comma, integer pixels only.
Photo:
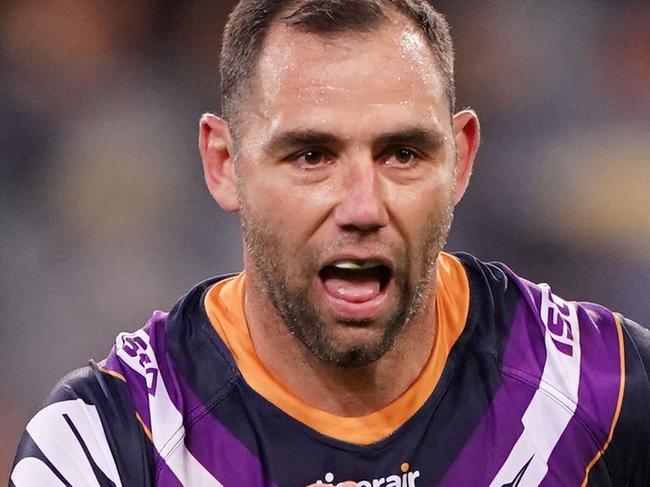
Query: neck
[{"x": 342, "y": 391}]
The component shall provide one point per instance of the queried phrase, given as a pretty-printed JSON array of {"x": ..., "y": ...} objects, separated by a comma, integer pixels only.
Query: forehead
[{"x": 390, "y": 67}]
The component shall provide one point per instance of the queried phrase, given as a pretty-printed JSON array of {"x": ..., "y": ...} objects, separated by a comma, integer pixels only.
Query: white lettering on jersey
[
  {"x": 405, "y": 479},
  {"x": 554, "y": 402},
  {"x": 166, "y": 421}
]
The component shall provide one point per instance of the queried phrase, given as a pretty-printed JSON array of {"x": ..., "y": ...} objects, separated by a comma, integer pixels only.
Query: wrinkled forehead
[{"x": 390, "y": 64}]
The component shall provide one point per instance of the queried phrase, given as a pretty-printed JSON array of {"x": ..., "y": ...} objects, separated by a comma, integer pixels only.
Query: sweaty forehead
[{"x": 392, "y": 64}]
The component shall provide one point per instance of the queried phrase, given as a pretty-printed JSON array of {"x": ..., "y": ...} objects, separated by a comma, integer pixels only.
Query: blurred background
[{"x": 103, "y": 212}]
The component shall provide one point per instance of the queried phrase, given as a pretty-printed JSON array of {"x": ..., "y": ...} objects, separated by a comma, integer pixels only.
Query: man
[{"x": 351, "y": 347}]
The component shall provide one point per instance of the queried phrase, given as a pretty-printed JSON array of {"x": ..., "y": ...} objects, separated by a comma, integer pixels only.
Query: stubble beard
[{"x": 294, "y": 308}]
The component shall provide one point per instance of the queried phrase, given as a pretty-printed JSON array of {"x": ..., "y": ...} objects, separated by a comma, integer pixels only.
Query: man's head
[
  {"x": 348, "y": 167},
  {"x": 249, "y": 24}
]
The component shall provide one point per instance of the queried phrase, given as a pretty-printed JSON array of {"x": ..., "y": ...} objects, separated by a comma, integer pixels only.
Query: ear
[
  {"x": 215, "y": 145},
  {"x": 467, "y": 134}
]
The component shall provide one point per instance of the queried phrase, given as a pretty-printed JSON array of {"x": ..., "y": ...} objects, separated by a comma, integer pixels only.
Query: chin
[
  {"x": 356, "y": 346},
  {"x": 355, "y": 357}
]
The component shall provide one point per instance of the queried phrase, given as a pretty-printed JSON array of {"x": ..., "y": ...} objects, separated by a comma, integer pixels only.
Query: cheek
[
  {"x": 281, "y": 221},
  {"x": 418, "y": 203},
  {"x": 295, "y": 210},
  {"x": 422, "y": 215}
]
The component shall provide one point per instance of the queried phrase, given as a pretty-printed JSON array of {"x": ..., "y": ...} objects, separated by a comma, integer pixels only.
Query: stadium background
[{"x": 103, "y": 212}]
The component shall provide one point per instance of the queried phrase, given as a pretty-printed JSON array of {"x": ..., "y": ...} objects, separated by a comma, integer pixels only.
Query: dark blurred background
[{"x": 103, "y": 211}]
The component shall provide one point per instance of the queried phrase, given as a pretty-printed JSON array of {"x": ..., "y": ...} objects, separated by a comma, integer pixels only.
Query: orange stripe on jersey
[
  {"x": 113, "y": 373},
  {"x": 146, "y": 430},
  {"x": 224, "y": 304},
  {"x": 619, "y": 404}
]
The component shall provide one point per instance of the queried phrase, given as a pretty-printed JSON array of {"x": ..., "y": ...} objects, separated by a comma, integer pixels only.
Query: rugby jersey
[{"x": 522, "y": 388}]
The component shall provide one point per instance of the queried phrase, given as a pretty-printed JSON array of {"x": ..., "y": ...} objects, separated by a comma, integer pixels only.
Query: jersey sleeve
[{"x": 86, "y": 434}]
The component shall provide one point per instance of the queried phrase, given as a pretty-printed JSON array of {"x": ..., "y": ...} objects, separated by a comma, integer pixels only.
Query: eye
[
  {"x": 402, "y": 156},
  {"x": 312, "y": 158}
]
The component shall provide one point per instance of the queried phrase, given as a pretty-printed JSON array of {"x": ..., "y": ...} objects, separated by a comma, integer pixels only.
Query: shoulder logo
[
  {"x": 520, "y": 475},
  {"x": 560, "y": 319},
  {"x": 136, "y": 351}
]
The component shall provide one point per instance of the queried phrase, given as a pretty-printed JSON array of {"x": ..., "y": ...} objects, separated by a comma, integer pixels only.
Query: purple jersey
[{"x": 530, "y": 390}]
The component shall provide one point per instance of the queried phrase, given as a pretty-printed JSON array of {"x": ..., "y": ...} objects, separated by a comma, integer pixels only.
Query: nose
[{"x": 362, "y": 206}]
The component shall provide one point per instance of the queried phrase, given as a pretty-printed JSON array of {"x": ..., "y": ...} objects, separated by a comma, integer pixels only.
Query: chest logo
[{"x": 405, "y": 478}]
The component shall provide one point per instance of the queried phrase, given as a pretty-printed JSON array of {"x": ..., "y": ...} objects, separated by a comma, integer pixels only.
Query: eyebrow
[
  {"x": 296, "y": 139},
  {"x": 424, "y": 138}
]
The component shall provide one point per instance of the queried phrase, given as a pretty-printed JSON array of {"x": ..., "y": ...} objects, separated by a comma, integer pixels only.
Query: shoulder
[
  {"x": 586, "y": 369},
  {"x": 163, "y": 367},
  {"x": 118, "y": 418},
  {"x": 572, "y": 351},
  {"x": 544, "y": 327},
  {"x": 584, "y": 363},
  {"x": 73, "y": 438}
]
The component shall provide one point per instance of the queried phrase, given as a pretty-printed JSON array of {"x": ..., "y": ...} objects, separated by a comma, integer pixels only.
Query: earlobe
[
  {"x": 215, "y": 146},
  {"x": 467, "y": 135}
]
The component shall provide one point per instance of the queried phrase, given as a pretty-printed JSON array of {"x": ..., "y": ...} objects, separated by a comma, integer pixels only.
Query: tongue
[{"x": 352, "y": 286}]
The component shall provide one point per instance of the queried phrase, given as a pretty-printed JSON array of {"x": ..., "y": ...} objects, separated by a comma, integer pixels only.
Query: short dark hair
[{"x": 250, "y": 21}]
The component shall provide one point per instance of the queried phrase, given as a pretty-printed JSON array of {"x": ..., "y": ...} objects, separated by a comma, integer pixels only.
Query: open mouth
[{"x": 356, "y": 281}]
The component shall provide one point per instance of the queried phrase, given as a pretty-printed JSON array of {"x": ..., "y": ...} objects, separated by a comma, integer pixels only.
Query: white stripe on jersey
[
  {"x": 167, "y": 430},
  {"x": 52, "y": 434},
  {"x": 31, "y": 472},
  {"x": 554, "y": 402}
]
